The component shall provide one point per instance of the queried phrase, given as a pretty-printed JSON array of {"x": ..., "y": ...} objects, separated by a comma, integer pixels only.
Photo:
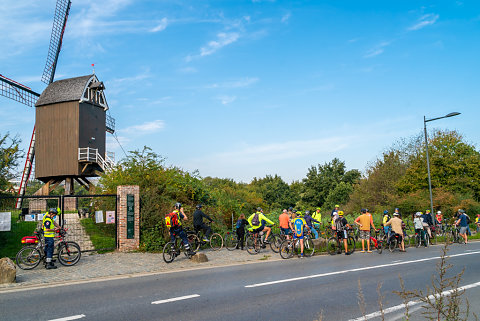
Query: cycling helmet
[
  {"x": 364, "y": 210},
  {"x": 307, "y": 212},
  {"x": 385, "y": 212},
  {"x": 462, "y": 211},
  {"x": 290, "y": 208},
  {"x": 337, "y": 205},
  {"x": 199, "y": 206},
  {"x": 427, "y": 211},
  {"x": 319, "y": 209},
  {"x": 259, "y": 209},
  {"x": 299, "y": 213},
  {"x": 53, "y": 210},
  {"x": 397, "y": 209},
  {"x": 418, "y": 214},
  {"x": 294, "y": 211},
  {"x": 178, "y": 205},
  {"x": 340, "y": 213},
  {"x": 439, "y": 212}
]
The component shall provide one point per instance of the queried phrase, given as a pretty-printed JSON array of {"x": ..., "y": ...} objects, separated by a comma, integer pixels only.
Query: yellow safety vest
[{"x": 52, "y": 226}]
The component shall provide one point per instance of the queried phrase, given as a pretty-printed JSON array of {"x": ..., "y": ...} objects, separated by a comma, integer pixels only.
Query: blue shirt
[
  {"x": 298, "y": 224},
  {"x": 463, "y": 220},
  {"x": 309, "y": 220}
]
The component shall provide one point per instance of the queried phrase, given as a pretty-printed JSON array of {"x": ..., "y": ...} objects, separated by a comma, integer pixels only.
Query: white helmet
[{"x": 439, "y": 212}]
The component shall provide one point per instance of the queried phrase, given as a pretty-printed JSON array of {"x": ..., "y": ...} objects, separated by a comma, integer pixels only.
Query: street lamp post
[{"x": 425, "y": 121}]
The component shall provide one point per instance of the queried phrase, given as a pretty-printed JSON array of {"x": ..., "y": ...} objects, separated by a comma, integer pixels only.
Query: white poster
[
  {"x": 98, "y": 216},
  {"x": 110, "y": 217},
  {"x": 5, "y": 221},
  {"x": 40, "y": 217},
  {"x": 30, "y": 218}
]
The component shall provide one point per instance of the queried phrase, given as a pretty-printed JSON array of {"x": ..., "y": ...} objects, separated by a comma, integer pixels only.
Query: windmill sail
[
  {"x": 59, "y": 22},
  {"x": 16, "y": 91}
]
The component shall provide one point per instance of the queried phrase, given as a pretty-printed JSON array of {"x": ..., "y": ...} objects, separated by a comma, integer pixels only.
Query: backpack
[
  {"x": 256, "y": 219},
  {"x": 239, "y": 224},
  {"x": 468, "y": 219},
  {"x": 171, "y": 220},
  {"x": 339, "y": 225}
]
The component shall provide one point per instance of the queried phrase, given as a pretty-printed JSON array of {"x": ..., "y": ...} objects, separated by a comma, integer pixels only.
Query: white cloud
[
  {"x": 377, "y": 50},
  {"x": 225, "y": 100},
  {"x": 425, "y": 20},
  {"x": 240, "y": 83},
  {"x": 145, "y": 128},
  {"x": 223, "y": 39},
  {"x": 161, "y": 26},
  {"x": 286, "y": 17}
]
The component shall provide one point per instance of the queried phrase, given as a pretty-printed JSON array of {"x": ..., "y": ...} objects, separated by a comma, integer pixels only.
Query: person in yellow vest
[
  {"x": 48, "y": 227},
  {"x": 317, "y": 216}
]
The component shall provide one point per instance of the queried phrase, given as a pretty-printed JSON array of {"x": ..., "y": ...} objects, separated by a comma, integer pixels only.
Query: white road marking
[
  {"x": 355, "y": 270},
  {"x": 73, "y": 317},
  {"x": 177, "y": 299},
  {"x": 396, "y": 261},
  {"x": 412, "y": 303}
]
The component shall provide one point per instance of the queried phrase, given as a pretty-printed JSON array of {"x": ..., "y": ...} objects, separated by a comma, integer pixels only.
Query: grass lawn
[
  {"x": 102, "y": 235},
  {"x": 10, "y": 241}
]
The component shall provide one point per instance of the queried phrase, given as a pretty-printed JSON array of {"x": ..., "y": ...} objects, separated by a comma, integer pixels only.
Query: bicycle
[
  {"x": 231, "y": 240},
  {"x": 196, "y": 240},
  {"x": 173, "y": 249},
  {"x": 254, "y": 242},
  {"x": 29, "y": 256},
  {"x": 420, "y": 238},
  {"x": 377, "y": 243},
  {"x": 335, "y": 245},
  {"x": 393, "y": 242},
  {"x": 291, "y": 246}
]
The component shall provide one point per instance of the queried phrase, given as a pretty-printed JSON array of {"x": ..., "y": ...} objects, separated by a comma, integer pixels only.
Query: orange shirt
[
  {"x": 366, "y": 221},
  {"x": 284, "y": 219}
]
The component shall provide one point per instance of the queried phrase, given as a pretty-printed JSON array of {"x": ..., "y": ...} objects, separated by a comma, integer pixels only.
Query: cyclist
[
  {"x": 258, "y": 221},
  {"x": 386, "y": 218},
  {"x": 298, "y": 225},
  {"x": 240, "y": 229},
  {"x": 463, "y": 222},
  {"x": 310, "y": 220},
  {"x": 341, "y": 226},
  {"x": 318, "y": 216},
  {"x": 427, "y": 222},
  {"x": 335, "y": 210},
  {"x": 173, "y": 221},
  {"x": 396, "y": 223},
  {"x": 198, "y": 224},
  {"x": 48, "y": 226},
  {"x": 365, "y": 221},
  {"x": 284, "y": 220},
  {"x": 290, "y": 211},
  {"x": 418, "y": 225},
  {"x": 477, "y": 222}
]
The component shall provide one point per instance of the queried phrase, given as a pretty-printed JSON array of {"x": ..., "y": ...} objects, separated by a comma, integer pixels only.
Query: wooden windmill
[{"x": 68, "y": 140}]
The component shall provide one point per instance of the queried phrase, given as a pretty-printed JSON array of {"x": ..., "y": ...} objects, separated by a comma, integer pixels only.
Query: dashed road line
[
  {"x": 355, "y": 270},
  {"x": 73, "y": 317},
  {"x": 177, "y": 299}
]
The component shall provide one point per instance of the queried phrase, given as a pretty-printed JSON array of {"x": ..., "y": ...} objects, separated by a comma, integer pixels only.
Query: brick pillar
[{"x": 124, "y": 243}]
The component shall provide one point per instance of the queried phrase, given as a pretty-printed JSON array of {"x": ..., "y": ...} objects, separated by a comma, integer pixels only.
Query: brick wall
[{"x": 124, "y": 244}]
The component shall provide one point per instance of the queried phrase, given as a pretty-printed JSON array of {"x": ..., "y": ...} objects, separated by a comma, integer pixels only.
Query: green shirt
[{"x": 261, "y": 218}]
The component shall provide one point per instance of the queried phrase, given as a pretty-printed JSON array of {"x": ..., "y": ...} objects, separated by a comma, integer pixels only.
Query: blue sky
[{"x": 243, "y": 89}]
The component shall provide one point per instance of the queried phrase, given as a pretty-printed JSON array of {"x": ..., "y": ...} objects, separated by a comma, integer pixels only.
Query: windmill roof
[{"x": 63, "y": 90}]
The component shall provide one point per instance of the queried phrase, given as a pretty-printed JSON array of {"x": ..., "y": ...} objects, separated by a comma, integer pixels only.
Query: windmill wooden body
[{"x": 68, "y": 140}]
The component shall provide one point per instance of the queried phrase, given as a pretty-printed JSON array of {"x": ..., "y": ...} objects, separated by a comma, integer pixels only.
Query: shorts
[
  {"x": 259, "y": 229},
  {"x": 297, "y": 237},
  {"x": 364, "y": 235},
  {"x": 286, "y": 230},
  {"x": 342, "y": 235},
  {"x": 463, "y": 229}
]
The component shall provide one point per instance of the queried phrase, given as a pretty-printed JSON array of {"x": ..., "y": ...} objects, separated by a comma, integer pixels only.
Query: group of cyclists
[{"x": 296, "y": 224}]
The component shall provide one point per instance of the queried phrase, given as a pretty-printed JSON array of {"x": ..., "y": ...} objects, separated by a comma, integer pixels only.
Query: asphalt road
[{"x": 271, "y": 290}]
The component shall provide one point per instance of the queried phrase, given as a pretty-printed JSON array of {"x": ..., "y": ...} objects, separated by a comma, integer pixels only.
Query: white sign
[
  {"x": 40, "y": 217},
  {"x": 30, "y": 218},
  {"x": 110, "y": 217},
  {"x": 5, "y": 221},
  {"x": 98, "y": 216}
]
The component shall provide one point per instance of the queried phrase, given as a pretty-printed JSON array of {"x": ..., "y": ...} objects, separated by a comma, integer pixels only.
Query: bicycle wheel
[
  {"x": 275, "y": 242},
  {"x": 28, "y": 257},
  {"x": 406, "y": 241},
  {"x": 418, "y": 240},
  {"x": 216, "y": 241},
  {"x": 251, "y": 246},
  {"x": 379, "y": 246},
  {"x": 332, "y": 246},
  {"x": 286, "y": 249},
  {"x": 194, "y": 241},
  {"x": 231, "y": 241},
  {"x": 392, "y": 244},
  {"x": 351, "y": 244},
  {"x": 169, "y": 252},
  {"x": 69, "y": 253},
  {"x": 308, "y": 247}
]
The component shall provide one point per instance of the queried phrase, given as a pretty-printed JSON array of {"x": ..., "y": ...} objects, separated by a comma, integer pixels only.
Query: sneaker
[
  {"x": 362, "y": 251},
  {"x": 369, "y": 251},
  {"x": 266, "y": 242},
  {"x": 347, "y": 253},
  {"x": 301, "y": 256},
  {"x": 50, "y": 265},
  {"x": 205, "y": 240}
]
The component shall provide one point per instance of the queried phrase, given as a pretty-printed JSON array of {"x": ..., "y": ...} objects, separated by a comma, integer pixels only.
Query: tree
[
  {"x": 322, "y": 179},
  {"x": 9, "y": 156},
  {"x": 275, "y": 192}
]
